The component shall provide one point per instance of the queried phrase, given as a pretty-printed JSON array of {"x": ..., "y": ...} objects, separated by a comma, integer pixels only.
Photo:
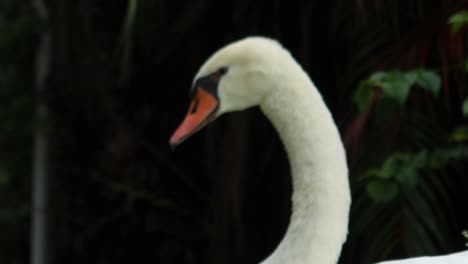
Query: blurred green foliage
[
  {"x": 395, "y": 85},
  {"x": 412, "y": 153},
  {"x": 458, "y": 20},
  {"x": 403, "y": 170}
]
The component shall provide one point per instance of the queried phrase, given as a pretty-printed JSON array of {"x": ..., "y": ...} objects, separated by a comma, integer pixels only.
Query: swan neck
[{"x": 320, "y": 199}]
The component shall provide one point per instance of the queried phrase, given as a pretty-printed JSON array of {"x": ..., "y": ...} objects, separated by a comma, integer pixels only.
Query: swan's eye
[
  {"x": 219, "y": 73},
  {"x": 222, "y": 71}
]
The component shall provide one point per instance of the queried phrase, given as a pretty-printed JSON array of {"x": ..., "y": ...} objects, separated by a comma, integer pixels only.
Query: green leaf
[
  {"x": 465, "y": 107},
  {"x": 407, "y": 176},
  {"x": 382, "y": 191},
  {"x": 421, "y": 159},
  {"x": 378, "y": 77},
  {"x": 389, "y": 168},
  {"x": 458, "y": 20},
  {"x": 363, "y": 95},
  {"x": 392, "y": 165},
  {"x": 428, "y": 80},
  {"x": 395, "y": 85},
  {"x": 465, "y": 235},
  {"x": 460, "y": 134}
]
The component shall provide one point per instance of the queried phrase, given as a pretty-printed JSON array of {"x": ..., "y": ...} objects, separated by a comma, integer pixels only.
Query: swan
[{"x": 258, "y": 71}]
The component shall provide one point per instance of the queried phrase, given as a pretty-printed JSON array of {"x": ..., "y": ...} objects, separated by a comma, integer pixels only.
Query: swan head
[{"x": 234, "y": 78}]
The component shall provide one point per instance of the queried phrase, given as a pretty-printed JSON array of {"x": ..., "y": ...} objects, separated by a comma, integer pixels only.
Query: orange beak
[{"x": 200, "y": 113}]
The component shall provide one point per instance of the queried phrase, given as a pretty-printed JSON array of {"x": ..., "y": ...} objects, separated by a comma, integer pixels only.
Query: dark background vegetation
[{"x": 118, "y": 86}]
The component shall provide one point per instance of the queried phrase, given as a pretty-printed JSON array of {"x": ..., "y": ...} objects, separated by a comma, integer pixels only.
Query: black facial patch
[
  {"x": 195, "y": 105},
  {"x": 209, "y": 82}
]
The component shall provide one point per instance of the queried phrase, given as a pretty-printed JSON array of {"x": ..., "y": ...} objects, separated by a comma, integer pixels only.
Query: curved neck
[{"x": 321, "y": 198}]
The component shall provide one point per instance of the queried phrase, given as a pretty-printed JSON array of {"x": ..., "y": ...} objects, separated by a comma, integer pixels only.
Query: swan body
[
  {"x": 456, "y": 258},
  {"x": 257, "y": 71}
]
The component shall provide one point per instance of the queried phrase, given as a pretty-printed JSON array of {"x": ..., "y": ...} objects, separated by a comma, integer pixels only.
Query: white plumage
[
  {"x": 262, "y": 73},
  {"x": 456, "y": 258}
]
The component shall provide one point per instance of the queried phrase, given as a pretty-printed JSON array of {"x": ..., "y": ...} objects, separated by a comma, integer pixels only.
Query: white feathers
[
  {"x": 321, "y": 197},
  {"x": 456, "y": 258},
  {"x": 261, "y": 72}
]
